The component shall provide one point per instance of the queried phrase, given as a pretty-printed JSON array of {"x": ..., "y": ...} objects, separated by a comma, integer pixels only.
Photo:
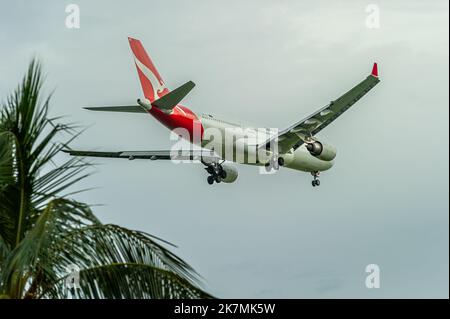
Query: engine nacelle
[
  {"x": 321, "y": 151},
  {"x": 231, "y": 173},
  {"x": 144, "y": 103}
]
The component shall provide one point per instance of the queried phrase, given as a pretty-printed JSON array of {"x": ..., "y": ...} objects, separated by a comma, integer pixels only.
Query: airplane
[{"x": 295, "y": 147}]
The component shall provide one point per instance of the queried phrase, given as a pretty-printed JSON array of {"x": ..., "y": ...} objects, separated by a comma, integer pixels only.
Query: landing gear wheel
[
  {"x": 210, "y": 180},
  {"x": 275, "y": 165},
  {"x": 223, "y": 174},
  {"x": 218, "y": 179},
  {"x": 315, "y": 182}
]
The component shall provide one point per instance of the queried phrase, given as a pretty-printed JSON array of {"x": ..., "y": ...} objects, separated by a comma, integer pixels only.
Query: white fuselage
[{"x": 236, "y": 143}]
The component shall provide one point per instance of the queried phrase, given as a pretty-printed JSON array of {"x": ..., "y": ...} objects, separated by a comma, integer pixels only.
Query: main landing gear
[
  {"x": 274, "y": 163},
  {"x": 216, "y": 172},
  {"x": 315, "y": 182}
]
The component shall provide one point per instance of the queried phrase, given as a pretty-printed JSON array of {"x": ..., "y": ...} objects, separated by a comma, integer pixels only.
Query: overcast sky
[{"x": 271, "y": 63}]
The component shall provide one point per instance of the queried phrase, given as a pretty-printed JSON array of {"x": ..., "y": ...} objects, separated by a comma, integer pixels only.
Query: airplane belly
[{"x": 229, "y": 142}]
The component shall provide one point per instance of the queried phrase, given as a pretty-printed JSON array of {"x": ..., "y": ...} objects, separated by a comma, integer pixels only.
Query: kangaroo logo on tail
[
  {"x": 158, "y": 86},
  {"x": 151, "y": 82}
]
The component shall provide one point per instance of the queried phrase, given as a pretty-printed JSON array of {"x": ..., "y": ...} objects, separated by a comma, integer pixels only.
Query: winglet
[{"x": 375, "y": 70}]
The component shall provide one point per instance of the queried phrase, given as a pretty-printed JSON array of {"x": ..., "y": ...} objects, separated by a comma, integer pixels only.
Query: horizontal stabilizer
[
  {"x": 121, "y": 108},
  {"x": 171, "y": 99}
]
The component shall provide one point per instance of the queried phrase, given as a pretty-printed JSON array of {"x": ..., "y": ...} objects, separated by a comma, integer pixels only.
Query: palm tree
[{"x": 47, "y": 240}]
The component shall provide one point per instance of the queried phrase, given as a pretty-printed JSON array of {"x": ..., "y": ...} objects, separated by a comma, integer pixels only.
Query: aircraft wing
[
  {"x": 200, "y": 154},
  {"x": 295, "y": 135}
]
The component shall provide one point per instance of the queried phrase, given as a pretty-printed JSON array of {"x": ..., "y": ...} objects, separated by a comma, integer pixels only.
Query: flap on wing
[{"x": 171, "y": 99}]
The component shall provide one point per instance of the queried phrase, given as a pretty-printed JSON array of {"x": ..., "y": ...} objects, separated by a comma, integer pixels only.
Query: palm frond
[
  {"x": 7, "y": 172},
  {"x": 9, "y": 193},
  {"x": 30, "y": 260},
  {"x": 127, "y": 281},
  {"x": 43, "y": 233},
  {"x": 4, "y": 251},
  {"x": 30, "y": 149},
  {"x": 99, "y": 245}
]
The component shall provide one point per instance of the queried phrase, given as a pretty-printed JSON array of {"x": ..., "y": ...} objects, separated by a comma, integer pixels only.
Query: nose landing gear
[{"x": 315, "y": 182}]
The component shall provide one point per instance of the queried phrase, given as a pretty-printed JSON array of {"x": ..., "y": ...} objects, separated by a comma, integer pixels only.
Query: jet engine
[
  {"x": 229, "y": 173},
  {"x": 321, "y": 151}
]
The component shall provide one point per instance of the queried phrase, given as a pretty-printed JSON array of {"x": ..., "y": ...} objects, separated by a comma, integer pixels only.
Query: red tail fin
[{"x": 152, "y": 84}]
